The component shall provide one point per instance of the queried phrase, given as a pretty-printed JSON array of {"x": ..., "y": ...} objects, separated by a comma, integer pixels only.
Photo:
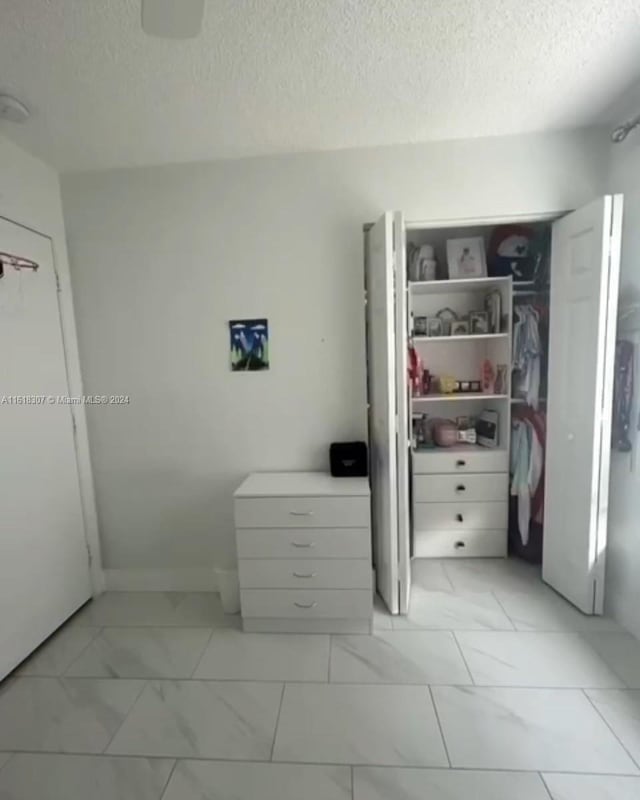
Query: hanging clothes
[
  {"x": 527, "y": 467},
  {"x": 622, "y": 396},
  {"x": 527, "y": 353}
]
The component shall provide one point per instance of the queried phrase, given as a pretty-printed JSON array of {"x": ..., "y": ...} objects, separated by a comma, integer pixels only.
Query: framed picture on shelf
[
  {"x": 466, "y": 258},
  {"x": 459, "y": 327},
  {"x": 419, "y": 326},
  {"x": 478, "y": 322},
  {"x": 487, "y": 428},
  {"x": 434, "y": 326}
]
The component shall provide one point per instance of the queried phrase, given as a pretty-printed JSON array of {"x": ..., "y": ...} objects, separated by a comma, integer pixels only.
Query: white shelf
[
  {"x": 458, "y": 449},
  {"x": 459, "y": 285},
  {"x": 458, "y": 397},
  {"x": 467, "y": 337}
]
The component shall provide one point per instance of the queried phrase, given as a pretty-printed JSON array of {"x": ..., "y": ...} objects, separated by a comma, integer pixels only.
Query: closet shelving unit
[
  {"x": 468, "y": 514},
  {"x": 462, "y": 356}
]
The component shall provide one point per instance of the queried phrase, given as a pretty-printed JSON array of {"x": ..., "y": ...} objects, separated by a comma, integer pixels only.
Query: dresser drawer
[
  {"x": 460, "y": 544},
  {"x": 302, "y": 512},
  {"x": 295, "y": 573},
  {"x": 479, "y": 487},
  {"x": 304, "y": 543},
  {"x": 460, "y": 460},
  {"x": 307, "y": 603},
  {"x": 459, "y": 516}
]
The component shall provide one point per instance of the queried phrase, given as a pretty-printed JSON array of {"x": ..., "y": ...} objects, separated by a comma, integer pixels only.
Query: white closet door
[
  {"x": 584, "y": 292},
  {"x": 402, "y": 405},
  {"x": 44, "y": 571},
  {"x": 389, "y": 480}
]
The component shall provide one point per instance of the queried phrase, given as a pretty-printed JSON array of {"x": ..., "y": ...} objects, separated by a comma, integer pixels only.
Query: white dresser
[
  {"x": 460, "y": 504},
  {"x": 304, "y": 553}
]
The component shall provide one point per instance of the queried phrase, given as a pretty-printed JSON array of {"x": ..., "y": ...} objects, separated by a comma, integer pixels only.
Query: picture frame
[
  {"x": 419, "y": 326},
  {"x": 447, "y": 315},
  {"x": 487, "y": 428},
  {"x": 434, "y": 326},
  {"x": 466, "y": 258},
  {"x": 460, "y": 327},
  {"x": 478, "y": 322},
  {"x": 249, "y": 345}
]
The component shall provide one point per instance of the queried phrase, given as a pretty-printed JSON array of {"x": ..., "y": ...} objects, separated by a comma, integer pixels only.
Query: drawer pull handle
[
  {"x": 459, "y": 545},
  {"x": 459, "y": 518},
  {"x": 301, "y": 513},
  {"x": 303, "y": 544},
  {"x": 461, "y": 463},
  {"x": 304, "y": 574},
  {"x": 460, "y": 489},
  {"x": 305, "y": 605}
]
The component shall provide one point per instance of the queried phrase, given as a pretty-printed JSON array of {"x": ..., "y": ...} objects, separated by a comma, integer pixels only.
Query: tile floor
[{"x": 492, "y": 688}]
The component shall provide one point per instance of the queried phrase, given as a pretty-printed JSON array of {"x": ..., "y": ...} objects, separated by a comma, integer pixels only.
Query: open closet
[{"x": 490, "y": 349}]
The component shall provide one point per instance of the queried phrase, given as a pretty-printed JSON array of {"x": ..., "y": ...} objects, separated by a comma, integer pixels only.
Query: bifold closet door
[
  {"x": 386, "y": 362},
  {"x": 44, "y": 571},
  {"x": 585, "y": 262}
]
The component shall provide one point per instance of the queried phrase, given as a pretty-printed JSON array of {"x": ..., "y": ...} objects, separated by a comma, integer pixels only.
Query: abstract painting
[{"x": 249, "y": 339}]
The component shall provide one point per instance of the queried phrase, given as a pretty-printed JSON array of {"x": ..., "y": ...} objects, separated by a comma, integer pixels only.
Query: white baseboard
[{"x": 197, "y": 579}]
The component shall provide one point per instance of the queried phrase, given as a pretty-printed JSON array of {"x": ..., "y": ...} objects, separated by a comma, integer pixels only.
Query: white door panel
[
  {"x": 388, "y": 411},
  {"x": 382, "y": 407},
  {"x": 402, "y": 405},
  {"x": 44, "y": 571},
  {"x": 584, "y": 286}
]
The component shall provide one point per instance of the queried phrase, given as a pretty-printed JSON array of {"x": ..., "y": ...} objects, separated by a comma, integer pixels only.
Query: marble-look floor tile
[
  {"x": 621, "y": 651},
  {"x": 54, "y": 656},
  {"x": 392, "y": 783},
  {"x": 527, "y": 729},
  {"x": 491, "y": 574},
  {"x": 265, "y": 657},
  {"x": 131, "y": 609},
  {"x": 621, "y": 710},
  {"x": 547, "y": 611},
  {"x": 349, "y": 724},
  {"x": 448, "y": 611},
  {"x": 201, "y": 780},
  {"x": 507, "y": 658},
  {"x": 201, "y": 719},
  {"x": 382, "y": 619},
  {"x": 430, "y": 574},
  {"x": 135, "y": 609},
  {"x": 421, "y": 657},
  {"x": 71, "y": 777},
  {"x": 204, "y": 609},
  {"x": 592, "y": 787},
  {"x": 142, "y": 653},
  {"x": 63, "y": 715}
]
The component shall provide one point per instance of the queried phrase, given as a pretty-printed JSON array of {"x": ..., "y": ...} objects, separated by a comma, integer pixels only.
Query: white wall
[
  {"x": 623, "y": 559},
  {"x": 162, "y": 258},
  {"x": 30, "y": 196}
]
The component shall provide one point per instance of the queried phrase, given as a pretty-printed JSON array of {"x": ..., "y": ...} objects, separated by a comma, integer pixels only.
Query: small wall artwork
[{"x": 249, "y": 340}]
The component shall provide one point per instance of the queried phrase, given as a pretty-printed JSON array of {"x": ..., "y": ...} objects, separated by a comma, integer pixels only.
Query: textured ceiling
[{"x": 268, "y": 76}]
